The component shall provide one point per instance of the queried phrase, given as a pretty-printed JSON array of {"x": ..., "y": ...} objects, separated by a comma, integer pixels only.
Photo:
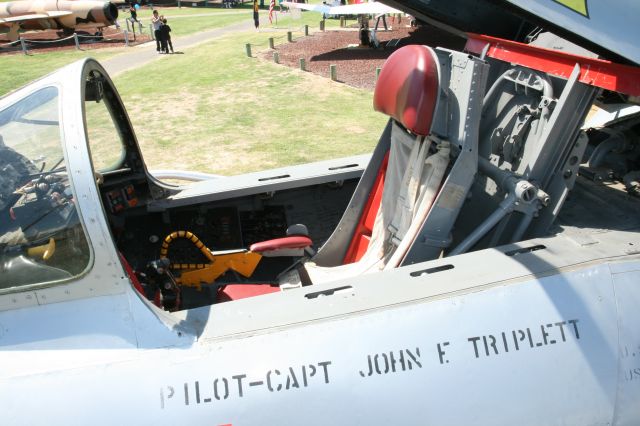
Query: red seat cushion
[
  {"x": 295, "y": 242},
  {"x": 407, "y": 88},
  {"x": 242, "y": 291}
]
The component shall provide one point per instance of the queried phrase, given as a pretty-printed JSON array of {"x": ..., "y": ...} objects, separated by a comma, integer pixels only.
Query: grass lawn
[
  {"x": 287, "y": 19},
  {"x": 173, "y": 12},
  {"x": 215, "y": 110},
  {"x": 18, "y": 69},
  {"x": 186, "y": 21},
  {"x": 185, "y": 25}
]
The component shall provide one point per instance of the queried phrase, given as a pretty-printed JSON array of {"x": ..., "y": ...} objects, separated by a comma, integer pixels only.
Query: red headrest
[{"x": 407, "y": 88}]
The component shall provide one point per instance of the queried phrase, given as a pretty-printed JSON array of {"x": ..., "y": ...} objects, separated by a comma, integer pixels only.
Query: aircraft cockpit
[
  {"x": 164, "y": 237},
  {"x": 225, "y": 239},
  {"x": 432, "y": 188}
]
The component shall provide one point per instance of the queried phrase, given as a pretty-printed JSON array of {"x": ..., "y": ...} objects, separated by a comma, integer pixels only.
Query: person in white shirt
[{"x": 157, "y": 23}]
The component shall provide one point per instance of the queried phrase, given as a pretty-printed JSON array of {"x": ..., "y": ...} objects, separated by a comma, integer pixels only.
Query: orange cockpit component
[{"x": 195, "y": 275}]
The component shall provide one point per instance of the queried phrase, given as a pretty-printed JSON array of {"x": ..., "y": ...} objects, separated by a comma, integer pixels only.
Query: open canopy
[{"x": 607, "y": 28}]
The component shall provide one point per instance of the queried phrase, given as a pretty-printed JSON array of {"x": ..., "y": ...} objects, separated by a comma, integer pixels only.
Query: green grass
[
  {"x": 174, "y": 12},
  {"x": 190, "y": 21},
  {"x": 185, "y": 21},
  {"x": 18, "y": 69},
  {"x": 193, "y": 24},
  {"x": 215, "y": 110},
  {"x": 285, "y": 20}
]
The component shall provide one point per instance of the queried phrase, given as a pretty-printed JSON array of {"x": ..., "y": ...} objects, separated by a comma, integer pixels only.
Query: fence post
[
  {"x": 378, "y": 69},
  {"x": 77, "y": 42},
  {"x": 306, "y": 30},
  {"x": 333, "y": 72},
  {"x": 127, "y": 21},
  {"x": 342, "y": 22},
  {"x": 23, "y": 45},
  {"x": 153, "y": 35},
  {"x": 271, "y": 46},
  {"x": 289, "y": 36},
  {"x": 276, "y": 57},
  {"x": 302, "y": 64},
  {"x": 248, "y": 49},
  {"x": 179, "y": 5},
  {"x": 126, "y": 38},
  {"x": 322, "y": 25}
]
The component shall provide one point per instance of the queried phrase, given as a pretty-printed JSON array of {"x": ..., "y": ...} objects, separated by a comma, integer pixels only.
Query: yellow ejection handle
[
  {"x": 194, "y": 274},
  {"x": 45, "y": 250},
  {"x": 188, "y": 235}
]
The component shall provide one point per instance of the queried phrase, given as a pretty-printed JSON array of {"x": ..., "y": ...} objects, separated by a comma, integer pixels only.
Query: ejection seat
[{"x": 402, "y": 180}]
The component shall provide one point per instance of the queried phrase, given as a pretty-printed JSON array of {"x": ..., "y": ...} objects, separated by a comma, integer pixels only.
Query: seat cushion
[
  {"x": 294, "y": 242},
  {"x": 242, "y": 291}
]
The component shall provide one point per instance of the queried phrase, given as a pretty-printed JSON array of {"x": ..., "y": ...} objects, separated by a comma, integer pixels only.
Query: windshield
[
  {"x": 101, "y": 114},
  {"x": 41, "y": 239}
]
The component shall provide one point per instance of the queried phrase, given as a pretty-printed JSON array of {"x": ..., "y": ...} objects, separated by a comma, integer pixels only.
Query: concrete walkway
[{"x": 140, "y": 55}]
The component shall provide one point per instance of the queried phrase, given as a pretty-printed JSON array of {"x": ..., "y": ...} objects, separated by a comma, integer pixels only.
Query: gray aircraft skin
[{"x": 496, "y": 281}]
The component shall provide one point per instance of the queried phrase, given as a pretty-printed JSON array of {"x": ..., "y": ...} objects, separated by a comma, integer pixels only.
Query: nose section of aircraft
[{"x": 110, "y": 11}]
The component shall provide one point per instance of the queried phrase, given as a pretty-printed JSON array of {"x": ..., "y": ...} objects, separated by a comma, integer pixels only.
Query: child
[{"x": 166, "y": 37}]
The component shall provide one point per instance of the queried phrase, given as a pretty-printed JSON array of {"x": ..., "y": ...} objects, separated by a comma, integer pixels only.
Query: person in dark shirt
[
  {"x": 165, "y": 31},
  {"x": 134, "y": 12},
  {"x": 256, "y": 15}
]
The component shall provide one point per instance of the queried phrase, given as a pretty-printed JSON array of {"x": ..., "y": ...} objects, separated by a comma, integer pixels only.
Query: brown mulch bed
[
  {"x": 111, "y": 38},
  {"x": 357, "y": 66}
]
